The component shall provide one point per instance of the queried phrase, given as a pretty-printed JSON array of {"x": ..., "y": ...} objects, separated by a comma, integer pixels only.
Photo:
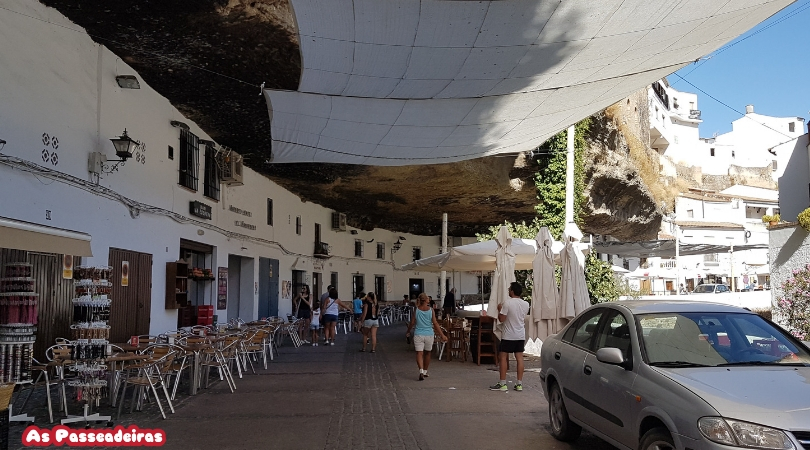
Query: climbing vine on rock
[{"x": 550, "y": 209}]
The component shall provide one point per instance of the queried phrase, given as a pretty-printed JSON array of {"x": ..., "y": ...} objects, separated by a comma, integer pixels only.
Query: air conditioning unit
[
  {"x": 230, "y": 166},
  {"x": 338, "y": 221}
]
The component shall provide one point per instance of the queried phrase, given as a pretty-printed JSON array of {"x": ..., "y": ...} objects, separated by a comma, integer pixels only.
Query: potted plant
[
  {"x": 804, "y": 219},
  {"x": 766, "y": 218}
]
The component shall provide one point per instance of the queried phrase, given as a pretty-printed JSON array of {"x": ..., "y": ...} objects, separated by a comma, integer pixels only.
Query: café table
[{"x": 194, "y": 350}]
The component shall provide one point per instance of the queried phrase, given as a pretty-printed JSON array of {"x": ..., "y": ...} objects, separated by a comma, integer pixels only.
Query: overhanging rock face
[{"x": 426, "y": 82}]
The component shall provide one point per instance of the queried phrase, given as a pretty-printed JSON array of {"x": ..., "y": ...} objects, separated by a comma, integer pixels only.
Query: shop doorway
[
  {"x": 358, "y": 285},
  {"x": 132, "y": 304},
  {"x": 415, "y": 287},
  {"x": 241, "y": 290},
  {"x": 317, "y": 285},
  {"x": 268, "y": 287},
  {"x": 379, "y": 287}
]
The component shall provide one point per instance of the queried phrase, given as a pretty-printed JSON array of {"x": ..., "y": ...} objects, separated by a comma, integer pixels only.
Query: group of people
[
  {"x": 324, "y": 312},
  {"x": 423, "y": 327}
]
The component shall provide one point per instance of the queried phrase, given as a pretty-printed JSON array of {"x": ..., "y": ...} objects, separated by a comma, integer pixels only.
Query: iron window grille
[
  {"x": 380, "y": 250},
  {"x": 189, "y": 159},
  {"x": 358, "y": 248},
  {"x": 211, "y": 183},
  {"x": 270, "y": 211},
  {"x": 298, "y": 225},
  {"x": 417, "y": 253}
]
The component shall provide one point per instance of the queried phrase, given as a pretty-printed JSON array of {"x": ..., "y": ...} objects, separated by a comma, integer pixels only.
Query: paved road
[{"x": 338, "y": 398}]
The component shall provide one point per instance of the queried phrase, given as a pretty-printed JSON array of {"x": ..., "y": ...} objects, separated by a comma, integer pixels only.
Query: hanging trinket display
[{"x": 18, "y": 319}]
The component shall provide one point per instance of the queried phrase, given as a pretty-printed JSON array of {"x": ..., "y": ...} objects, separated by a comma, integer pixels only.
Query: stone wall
[{"x": 789, "y": 249}]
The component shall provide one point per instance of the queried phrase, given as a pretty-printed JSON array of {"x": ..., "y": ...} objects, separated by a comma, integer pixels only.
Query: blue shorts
[
  {"x": 358, "y": 316},
  {"x": 314, "y": 326},
  {"x": 329, "y": 318}
]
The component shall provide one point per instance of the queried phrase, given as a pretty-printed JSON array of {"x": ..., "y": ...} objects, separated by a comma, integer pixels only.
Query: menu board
[{"x": 222, "y": 288}]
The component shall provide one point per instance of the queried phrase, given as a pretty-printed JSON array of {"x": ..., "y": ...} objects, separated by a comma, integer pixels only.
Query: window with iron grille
[
  {"x": 358, "y": 248},
  {"x": 270, "y": 212},
  {"x": 334, "y": 279},
  {"x": 380, "y": 250},
  {"x": 417, "y": 253},
  {"x": 211, "y": 183},
  {"x": 189, "y": 159},
  {"x": 298, "y": 225}
]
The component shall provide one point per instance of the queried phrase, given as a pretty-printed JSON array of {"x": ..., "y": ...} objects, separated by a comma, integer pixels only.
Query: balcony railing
[
  {"x": 321, "y": 250},
  {"x": 661, "y": 93}
]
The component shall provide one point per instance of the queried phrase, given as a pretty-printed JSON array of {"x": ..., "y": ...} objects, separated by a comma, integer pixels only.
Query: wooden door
[{"x": 131, "y": 304}]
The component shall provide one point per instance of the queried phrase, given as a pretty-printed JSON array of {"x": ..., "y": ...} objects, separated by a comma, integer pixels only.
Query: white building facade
[{"x": 61, "y": 102}]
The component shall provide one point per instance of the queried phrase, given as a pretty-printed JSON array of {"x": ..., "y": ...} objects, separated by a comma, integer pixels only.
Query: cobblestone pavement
[{"x": 335, "y": 397}]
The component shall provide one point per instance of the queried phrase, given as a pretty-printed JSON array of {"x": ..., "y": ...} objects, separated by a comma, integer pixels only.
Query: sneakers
[
  {"x": 499, "y": 387},
  {"x": 518, "y": 387},
  {"x": 314, "y": 344},
  {"x": 421, "y": 377},
  {"x": 332, "y": 343},
  {"x": 305, "y": 341},
  {"x": 327, "y": 342}
]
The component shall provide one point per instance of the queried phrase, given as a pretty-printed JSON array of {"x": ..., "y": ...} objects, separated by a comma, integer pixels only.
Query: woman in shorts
[
  {"x": 371, "y": 321},
  {"x": 303, "y": 305},
  {"x": 329, "y": 314},
  {"x": 424, "y": 326}
]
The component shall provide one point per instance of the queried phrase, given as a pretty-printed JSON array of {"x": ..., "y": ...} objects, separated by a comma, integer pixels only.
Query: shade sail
[
  {"x": 425, "y": 81},
  {"x": 32, "y": 237},
  {"x": 665, "y": 248},
  {"x": 479, "y": 256}
]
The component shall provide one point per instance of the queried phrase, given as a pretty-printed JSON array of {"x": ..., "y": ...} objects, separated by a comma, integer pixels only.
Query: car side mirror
[{"x": 611, "y": 355}]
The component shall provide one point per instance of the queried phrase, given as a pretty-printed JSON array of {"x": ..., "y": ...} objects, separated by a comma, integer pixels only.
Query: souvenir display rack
[
  {"x": 90, "y": 333},
  {"x": 18, "y": 320}
]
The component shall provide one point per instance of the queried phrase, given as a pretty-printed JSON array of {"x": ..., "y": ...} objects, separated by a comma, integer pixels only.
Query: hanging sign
[{"x": 222, "y": 288}]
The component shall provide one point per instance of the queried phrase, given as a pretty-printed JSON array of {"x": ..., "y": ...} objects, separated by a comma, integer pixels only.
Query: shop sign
[
  {"x": 243, "y": 224},
  {"x": 240, "y": 211},
  {"x": 200, "y": 210}
]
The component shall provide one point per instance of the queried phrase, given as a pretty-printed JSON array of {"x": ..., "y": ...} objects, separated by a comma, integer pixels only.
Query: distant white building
[
  {"x": 674, "y": 120},
  {"x": 751, "y": 143}
]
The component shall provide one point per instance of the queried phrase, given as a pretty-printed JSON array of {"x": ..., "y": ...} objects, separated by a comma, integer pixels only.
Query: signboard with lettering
[
  {"x": 222, "y": 288},
  {"x": 200, "y": 210}
]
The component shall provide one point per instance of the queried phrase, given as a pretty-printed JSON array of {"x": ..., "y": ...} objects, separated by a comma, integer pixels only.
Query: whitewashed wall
[
  {"x": 794, "y": 185},
  {"x": 57, "y": 81},
  {"x": 789, "y": 250}
]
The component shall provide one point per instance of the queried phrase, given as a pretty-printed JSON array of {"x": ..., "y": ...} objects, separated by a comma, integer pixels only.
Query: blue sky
[{"x": 770, "y": 70}]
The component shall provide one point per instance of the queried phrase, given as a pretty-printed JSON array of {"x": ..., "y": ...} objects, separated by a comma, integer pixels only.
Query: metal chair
[{"x": 148, "y": 377}]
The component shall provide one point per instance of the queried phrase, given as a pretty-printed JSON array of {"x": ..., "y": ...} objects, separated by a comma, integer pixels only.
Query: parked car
[
  {"x": 656, "y": 375},
  {"x": 711, "y": 289}
]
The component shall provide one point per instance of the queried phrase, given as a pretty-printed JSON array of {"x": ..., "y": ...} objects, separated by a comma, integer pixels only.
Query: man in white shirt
[{"x": 512, "y": 313}]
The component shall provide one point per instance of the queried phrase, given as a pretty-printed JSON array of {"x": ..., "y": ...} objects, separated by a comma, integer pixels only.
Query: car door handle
[
  {"x": 587, "y": 370},
  {"x": 556, "y": 355}
]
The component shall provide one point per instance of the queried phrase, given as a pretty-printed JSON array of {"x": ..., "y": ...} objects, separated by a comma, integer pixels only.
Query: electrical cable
[{"x": 135, "y": 207}]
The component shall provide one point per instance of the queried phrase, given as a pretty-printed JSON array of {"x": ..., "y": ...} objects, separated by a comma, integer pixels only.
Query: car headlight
[{"x": 743, "y": 434}]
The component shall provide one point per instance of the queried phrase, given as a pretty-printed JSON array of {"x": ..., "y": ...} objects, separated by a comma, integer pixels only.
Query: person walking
[
  {"x": 303, "y": 306},
  {"x": 424, "y": 326},
  {"x": 371, "y": 321},
  {"x": 357, "y": 306},
  {"x": 315, "y": 322},
  {"x": 329, "y": 310},
  {"x": 449, "y": 304},
  {"x": 512, "y": 314}
]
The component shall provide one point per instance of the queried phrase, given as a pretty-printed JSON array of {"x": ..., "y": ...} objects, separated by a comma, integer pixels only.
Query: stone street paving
[{"x": 335, "y": 397}]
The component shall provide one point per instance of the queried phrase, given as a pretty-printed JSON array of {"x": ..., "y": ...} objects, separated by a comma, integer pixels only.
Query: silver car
[{"x": 655, "y": 375}]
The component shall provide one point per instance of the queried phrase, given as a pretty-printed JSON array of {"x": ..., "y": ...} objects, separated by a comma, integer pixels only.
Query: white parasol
[
  {"x": 545, "y": 293},
  {"x": 573, "y": 289},
  {"x": 504, "y": 274}
]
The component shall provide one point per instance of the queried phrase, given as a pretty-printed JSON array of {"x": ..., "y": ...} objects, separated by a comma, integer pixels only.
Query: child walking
[{"x": 315, "y": 321}]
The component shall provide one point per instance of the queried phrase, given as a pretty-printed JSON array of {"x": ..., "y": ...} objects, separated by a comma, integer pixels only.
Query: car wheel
[
  {"x": 562, "y": 428},
  {"x": 657, "y": 439}
]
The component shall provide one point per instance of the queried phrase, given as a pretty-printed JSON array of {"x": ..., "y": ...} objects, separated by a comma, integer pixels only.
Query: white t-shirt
[
  {"x": 315, "y": 319},
  {"x": 515, "y": 310}
]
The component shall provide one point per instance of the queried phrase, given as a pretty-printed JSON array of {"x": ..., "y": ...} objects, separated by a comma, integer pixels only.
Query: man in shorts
[{"x": 512, "y": 313}]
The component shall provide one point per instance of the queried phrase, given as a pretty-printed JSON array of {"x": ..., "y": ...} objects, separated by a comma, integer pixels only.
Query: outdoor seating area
[{"x": 160, "y": 369}]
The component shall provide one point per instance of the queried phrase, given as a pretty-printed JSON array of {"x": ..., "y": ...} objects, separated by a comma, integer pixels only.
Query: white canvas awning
[
  {"x": 424, "y": 81},
  {"x": 479, "y": 256},
  {"x": 33, "y": 237}
]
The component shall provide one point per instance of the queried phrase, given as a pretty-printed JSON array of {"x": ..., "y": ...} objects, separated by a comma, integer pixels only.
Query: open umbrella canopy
[{"x": 480, "y": 256}]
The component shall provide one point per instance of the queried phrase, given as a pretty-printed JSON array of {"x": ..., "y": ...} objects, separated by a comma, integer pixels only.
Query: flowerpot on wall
[{"x": 773, "y": 223}]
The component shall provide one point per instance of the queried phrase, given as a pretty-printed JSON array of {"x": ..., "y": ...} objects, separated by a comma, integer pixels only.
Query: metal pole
[
  {"x": 569, "y": 177},
  {"x": 443, "y": 277},
  {"x": 678, "y": 258},
  {"x": 731, "y": 266}
]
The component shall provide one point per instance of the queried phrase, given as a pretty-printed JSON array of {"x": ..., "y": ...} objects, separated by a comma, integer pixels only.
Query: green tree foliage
[
  {"x": 601, "y": 281},
  {"x": 550, "y": 209}
]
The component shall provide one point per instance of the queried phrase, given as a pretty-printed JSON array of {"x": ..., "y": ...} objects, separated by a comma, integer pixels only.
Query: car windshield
[
  {"x": 716, "y": 339},
  {"x": 704, "y": 289}
]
